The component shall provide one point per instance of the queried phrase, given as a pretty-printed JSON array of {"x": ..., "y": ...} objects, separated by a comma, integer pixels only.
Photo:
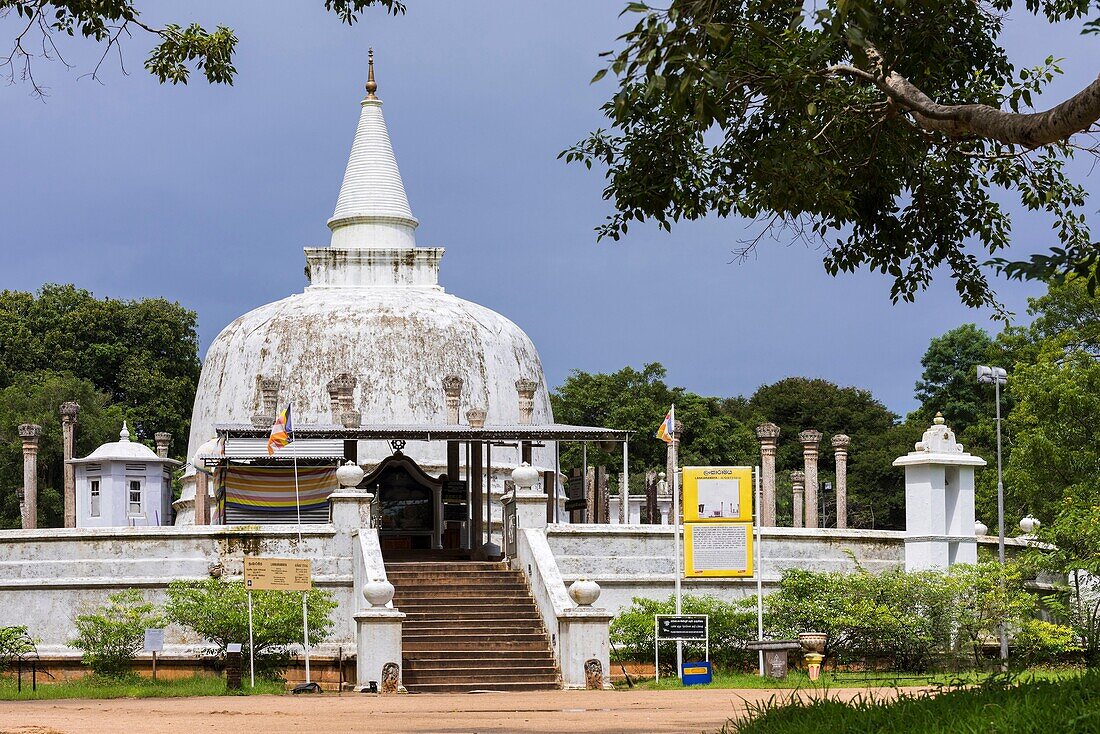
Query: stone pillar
[
  {"x": 30, "y": 434},
  {"x": 202, "y": 492},
  {"x": 672, "y": 463},
  {"x": 841, "y": 443},
  {"x": 590, "y": 496},
  {"x": 476, "y": 418},
  {"x": 163, "y": 441},
  {"x": 334, "y": 404},
  {"x": 526, "y": 390},
  {"x": 809, "y": 440},
  {"x": 345, "y": 385},
  {"x": 452, "y": 397},
  {"x": 652, "y": 510},
  {"x": 69, "y": 412},
  {"x": 768, "y": 433},
  {"x": 602, "y": 490},
  {"x": 798, "y": 483}
]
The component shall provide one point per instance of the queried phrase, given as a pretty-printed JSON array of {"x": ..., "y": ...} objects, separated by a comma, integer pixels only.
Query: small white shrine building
[{"x": 124, "y": 483}]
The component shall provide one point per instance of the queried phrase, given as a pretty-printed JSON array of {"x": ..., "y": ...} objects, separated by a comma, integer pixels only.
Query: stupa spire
[{"x": 372, "y": 209}]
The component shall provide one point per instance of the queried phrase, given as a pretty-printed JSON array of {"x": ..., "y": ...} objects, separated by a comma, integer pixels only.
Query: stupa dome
[{"x": 373, "y": 310}]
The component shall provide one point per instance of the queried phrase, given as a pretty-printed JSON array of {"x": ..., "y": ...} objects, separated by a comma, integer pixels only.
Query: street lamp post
[{"x": 998, "y": 377}]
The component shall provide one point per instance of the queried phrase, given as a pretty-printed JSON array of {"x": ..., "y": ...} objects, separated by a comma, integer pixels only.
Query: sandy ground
[{"x": 610, "y": 712}]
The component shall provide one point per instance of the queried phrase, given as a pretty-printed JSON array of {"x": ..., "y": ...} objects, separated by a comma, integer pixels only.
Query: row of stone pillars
[
  {"x": 804, "y": 482},
  {"x": 31, "y": 435}
]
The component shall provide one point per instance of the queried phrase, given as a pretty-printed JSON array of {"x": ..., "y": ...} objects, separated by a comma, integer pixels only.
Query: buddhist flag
[
  {"x": 281, "y": 431},
  {"x": 668, "y": 426}
]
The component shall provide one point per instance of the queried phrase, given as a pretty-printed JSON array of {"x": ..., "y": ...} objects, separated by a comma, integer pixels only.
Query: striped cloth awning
[{"x": 265, "y": 494}]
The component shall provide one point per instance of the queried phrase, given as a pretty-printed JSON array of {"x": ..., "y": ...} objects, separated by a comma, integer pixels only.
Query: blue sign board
[{"x": 696, "y": 674}]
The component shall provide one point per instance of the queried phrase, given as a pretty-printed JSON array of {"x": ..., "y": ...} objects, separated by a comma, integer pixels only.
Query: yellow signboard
[
  {"x": 284, "y": 574},
  {"x": 718, "y": 549},
  {"x": 717, "y": 493}
]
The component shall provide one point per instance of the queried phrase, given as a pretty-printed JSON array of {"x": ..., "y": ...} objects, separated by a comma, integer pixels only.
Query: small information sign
[
  {"x": 718, "y": 549},
  {"x": 695, "y": 674},
  {"x": 454, "y": 491},
  {"x": 456, "y": 513},
  {"x": 284, "y": 574},
  {"x": 154, "y": 640},
  {"x": 683, "y": 627},
  {"x": 574, "y": 494}
]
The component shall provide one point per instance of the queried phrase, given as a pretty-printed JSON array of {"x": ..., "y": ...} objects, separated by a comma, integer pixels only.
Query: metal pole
[
  {"x": 587, "y": 513},
  {"x": 759, "y": 577},
  {"x": 305, "y": 633},
  {"x": 251, "y": 650},
  {"x": 1000, "y": 516},
  {"x": 676, "y": 537},
  {"x": 557, "y": 476},
  {"x": 489, "y": 492}
]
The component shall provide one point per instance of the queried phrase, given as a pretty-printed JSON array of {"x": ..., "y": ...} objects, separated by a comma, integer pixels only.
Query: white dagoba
[
  {"x": 939, "y": 501},
  {"x": 373, "y": 309}
]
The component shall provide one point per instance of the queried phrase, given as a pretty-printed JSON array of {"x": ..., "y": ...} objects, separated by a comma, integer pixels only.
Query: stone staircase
[{"x": 470, "y": 626}]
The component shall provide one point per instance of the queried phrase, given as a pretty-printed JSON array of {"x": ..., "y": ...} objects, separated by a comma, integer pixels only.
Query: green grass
[
  {"x": 91, "y": 687},
  {"x": 1069, "y": 705},
  {"x": 798, "y": 679}
]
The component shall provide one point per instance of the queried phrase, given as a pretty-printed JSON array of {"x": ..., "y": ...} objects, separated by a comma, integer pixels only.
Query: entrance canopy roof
[{"x": 435, "y": 432}]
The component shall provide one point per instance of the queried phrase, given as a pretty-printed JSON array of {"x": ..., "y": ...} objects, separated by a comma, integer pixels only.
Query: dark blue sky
[{"x": 207, "y": 195}]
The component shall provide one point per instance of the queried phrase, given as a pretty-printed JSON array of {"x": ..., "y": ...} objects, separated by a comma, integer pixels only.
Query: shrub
[
  {"x": 15, "y": 642},
  {"x": 1038, "y": 641},
  {"x": 112, "y": 635},
  {"x": 218, "y": 611},
  {"x": 731, "y": 626}
]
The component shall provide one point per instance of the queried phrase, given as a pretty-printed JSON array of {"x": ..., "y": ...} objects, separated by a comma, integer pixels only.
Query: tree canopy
[
  {"x": 890, "y": 132},
  {"x": 119, "y": 359}
]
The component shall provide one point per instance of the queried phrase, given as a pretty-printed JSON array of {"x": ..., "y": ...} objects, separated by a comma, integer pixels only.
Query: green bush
[
  {"x": 907, "y": 620},
  {"x": 731, "y": 626},
  {"x": 111, "y": 635},
  {"x": 1067, "y": 706},
  {"x": 15, "y": 642},
  {"x": 1039, "y": 641},
  {"x": 218, "y": 611}
]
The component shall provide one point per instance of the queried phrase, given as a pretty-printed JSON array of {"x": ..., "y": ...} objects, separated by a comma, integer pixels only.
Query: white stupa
[{"x": 374, "y": 310}]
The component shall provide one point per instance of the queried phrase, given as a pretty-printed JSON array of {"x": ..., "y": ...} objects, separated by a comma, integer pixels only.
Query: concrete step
[
  {"x": 483, "y": 676},
  {"x": 446, "y": 566},
  {"x": 444, "y": 608},
  {"x": 459, "y": 642},
  {"x": 482, "y": 585},
  {"x": 510, "y": 632},
  {"x": 463, "y": 656},
  {"x": 500, "y": 686},
  {"x": 469, "y": 613},
  {"x": 450, "y": 592},
  {"x": 544, "y": 664},
  {"x": 472, "y": 625}
]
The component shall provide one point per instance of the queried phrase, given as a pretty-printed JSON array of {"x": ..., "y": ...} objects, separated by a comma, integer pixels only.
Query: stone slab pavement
[{"x": 549, "y": 712}]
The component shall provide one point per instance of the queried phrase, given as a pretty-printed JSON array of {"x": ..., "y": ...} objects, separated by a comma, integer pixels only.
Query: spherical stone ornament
[
  {"x": 378, "y": 592},
  {"x": 584, "y": 592},
  {"x": 980, "y": 528},
  {"x": 349, "y": 475},
  {"x": 525, "y": 476},
  {"x": 1029, "y": 524}
]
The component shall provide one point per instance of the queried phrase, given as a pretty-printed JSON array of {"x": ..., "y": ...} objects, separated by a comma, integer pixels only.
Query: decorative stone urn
[
  {"x": 584, "y": 592},
  {"x": 349, "y": 475},
  {"x": 980, "y": 528},
  {"x": 378, "y": 592},
  {"x": 525, "y": 476},
  {"x": 812, "y": 641}
]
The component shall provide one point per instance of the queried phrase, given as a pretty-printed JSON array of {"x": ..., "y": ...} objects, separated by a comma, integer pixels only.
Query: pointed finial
[
  {"x": 938, "y": 420},
  {"x": 372, "y": 86},
  {"x": 124, "y": 435}
]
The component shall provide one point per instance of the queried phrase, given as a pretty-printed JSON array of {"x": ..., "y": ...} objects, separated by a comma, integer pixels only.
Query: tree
[
  {"x": 177, "y": 47},
  {"x": 948, "y": 384},
  {"x": 716, "y": 430},
  {"x": 875, "y": 494},
  {"x": 887, "y": 131},
  {"x": 112, "y": 634},
  {"x": 143, "y": 354},
  {"x": 34, "y": 397},
  {"x": 217, "y": 611}
]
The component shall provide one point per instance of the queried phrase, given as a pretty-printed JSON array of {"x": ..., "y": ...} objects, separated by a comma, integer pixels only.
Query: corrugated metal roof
[{"x": 435, "y": 432}]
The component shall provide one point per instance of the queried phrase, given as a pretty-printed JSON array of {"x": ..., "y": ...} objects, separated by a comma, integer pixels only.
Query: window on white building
[
  {"x": 135, "y": 497},
  {"x": 93, "y": 499}
]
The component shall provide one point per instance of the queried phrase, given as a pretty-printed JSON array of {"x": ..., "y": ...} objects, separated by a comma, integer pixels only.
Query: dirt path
[{"x": 610, "y": 712}]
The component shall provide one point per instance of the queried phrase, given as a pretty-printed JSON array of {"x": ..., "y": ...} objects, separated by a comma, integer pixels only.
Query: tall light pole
[{"x": 998, "y": 377}]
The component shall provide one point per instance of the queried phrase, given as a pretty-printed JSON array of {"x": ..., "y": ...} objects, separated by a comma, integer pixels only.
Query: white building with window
[{"x": 124, "y": 483}]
